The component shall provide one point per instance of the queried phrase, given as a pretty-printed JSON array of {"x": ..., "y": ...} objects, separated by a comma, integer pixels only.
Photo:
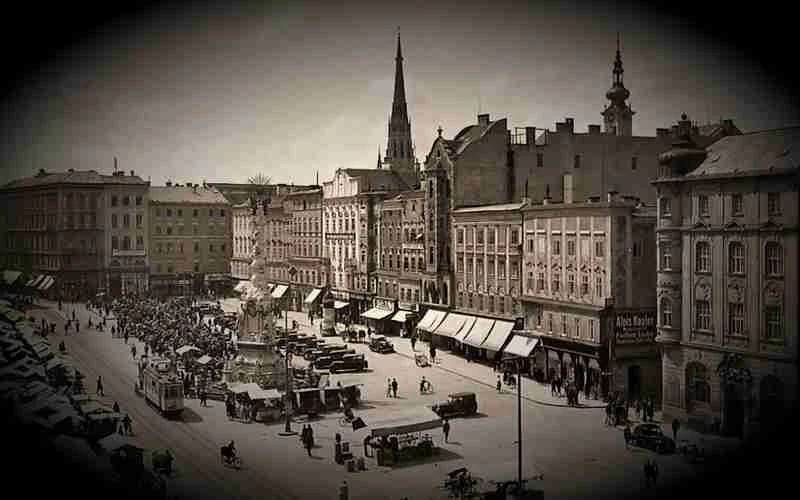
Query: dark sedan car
[{"x": 651, "y": 437}]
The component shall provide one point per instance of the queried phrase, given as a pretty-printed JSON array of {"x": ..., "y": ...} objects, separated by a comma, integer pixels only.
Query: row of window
[
  {"x": 126, "y": 242},
  {"x": 490, "y": 236},
  {"x": 415, "y": 262},
  {"x": 179, "y": 212},
  {"x": 126, "y": 220},
  {"x": 571, "y": 284},
  {"x": 409, "y": 235},
  {"x": 115, "y": 200},
  {"x": 736, "y": 205},
  {"x": 599, "y": 246},
  {"x": 169, "y": 247},
  {"x": 392, "y": 289},
  {"x": 489, "y": 303},
  {"x": 581, "y": 327},
  {"x": 170, "y": 268},
  {"x": 773, "y": 318},
  {"x": 773, "y": 263},
  {"x": 306, "y": 226},
  {"x": 195, "y": 229},
  {"x": 576, "y": 161}
]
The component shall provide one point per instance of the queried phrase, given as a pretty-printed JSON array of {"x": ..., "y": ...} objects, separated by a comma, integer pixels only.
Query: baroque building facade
[
  {"x": 307, "y": 251},
  {"x": 242, "y": 241},
  {"x": 727, "y": 279}
]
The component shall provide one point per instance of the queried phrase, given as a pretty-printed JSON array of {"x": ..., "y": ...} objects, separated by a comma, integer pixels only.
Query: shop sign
[{"x": 635, "y": 327}]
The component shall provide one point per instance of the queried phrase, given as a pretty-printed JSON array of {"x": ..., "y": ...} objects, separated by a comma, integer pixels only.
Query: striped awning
[
  {"x": 312, "y": 296},
  {"x": 451, "y": 325},
  {"x": 338, "y": 304},
  {"x": 279, "y": 291},
  {"x": 47, "y": 283}
]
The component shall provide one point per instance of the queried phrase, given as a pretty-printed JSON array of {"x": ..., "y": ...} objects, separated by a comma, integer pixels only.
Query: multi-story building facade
[
  {"x": 307, "y": 254},
  {"x": 126, "y": 237},
  {"x": 727, "y": 279},
  {"x": 242, "y": 234},
  {"x": 588, "y": 291},
  {"x": 190, "y": 235},
  {"x": 58, "y": 224},
  {"x": 401, "y": 249},
  {"x": 350, "y": 202}
]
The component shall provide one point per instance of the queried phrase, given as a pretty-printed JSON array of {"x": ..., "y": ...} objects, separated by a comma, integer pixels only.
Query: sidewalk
[{"x": 479, "y": 373}]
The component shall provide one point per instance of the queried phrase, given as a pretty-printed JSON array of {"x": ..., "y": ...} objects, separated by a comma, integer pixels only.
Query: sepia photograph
[{"x": 410, "y": 250}]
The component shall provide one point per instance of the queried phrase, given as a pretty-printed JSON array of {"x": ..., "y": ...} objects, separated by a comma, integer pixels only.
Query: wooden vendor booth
[{"x": 402, "y": 438}]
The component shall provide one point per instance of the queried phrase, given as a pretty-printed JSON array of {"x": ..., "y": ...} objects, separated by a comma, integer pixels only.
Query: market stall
[
  {"x": 403, "y": 437},
  {"x": 261, "y": 405}
]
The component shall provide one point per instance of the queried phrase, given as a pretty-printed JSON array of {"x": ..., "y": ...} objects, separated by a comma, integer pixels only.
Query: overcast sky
[{"x": 291, "y": 88}]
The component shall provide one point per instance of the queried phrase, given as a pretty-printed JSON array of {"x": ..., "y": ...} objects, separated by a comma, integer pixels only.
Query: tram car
[{"x": 161, "y": 387}]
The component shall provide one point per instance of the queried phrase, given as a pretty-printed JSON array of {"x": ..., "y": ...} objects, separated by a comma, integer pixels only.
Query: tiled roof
[
  {"x": 377, "y": 180},
  {"x": 73, "y": 177},
  {"x": 185, "y": 194},
  {"x": 768, "y": 151},
  {"x": 490, "y": 208}
]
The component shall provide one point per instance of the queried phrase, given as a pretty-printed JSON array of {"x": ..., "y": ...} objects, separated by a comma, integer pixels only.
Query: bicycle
[
  {"x": 460, "y": 484},
  {"x": 427, "y": 388}
]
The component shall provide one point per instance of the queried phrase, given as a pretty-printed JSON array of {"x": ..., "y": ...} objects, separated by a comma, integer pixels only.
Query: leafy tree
[{"x": 260, "y": 179}]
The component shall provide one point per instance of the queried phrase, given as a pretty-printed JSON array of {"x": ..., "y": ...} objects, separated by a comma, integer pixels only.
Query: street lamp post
[
  {"x": 288, "y": 430},
  {"x": 519, "y": 424}
]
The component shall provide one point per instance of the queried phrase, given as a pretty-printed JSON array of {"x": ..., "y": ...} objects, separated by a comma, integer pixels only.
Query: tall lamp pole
[
  {"x": 519, "y": 424},
  {"x": 288, "y": 430}
]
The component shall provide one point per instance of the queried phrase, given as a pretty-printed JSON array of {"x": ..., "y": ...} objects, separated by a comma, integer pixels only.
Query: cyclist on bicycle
[{"x": 348, "y": 413}]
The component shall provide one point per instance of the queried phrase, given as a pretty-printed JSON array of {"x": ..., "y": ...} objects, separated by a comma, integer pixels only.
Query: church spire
[
  {"x": 400, "y": 148},
  {"x": 399, "y": 103},
  {"x": 618, "y": 114}
]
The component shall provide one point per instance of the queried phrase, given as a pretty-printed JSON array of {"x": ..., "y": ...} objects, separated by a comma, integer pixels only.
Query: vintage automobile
[
  {"x": 349, "y": 362},
  {"x": 379, "y": 343},
  {"x": 322, "y": 362},
  {"x": 459, "y": 404},
  {"x": 651, "y": 437}
]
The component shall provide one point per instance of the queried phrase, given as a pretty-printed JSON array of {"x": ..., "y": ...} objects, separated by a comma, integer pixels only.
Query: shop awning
[
  {"x": 498, "y": 336},
  {"x": 465, "y": 329},
  {"x": 254, "y": 391},
  {"x": 376, "y": 313},
  {"x": 279, "y": 291},
  {"x": 521, "y": 346},
  {"x": 400, "y": 316},
  {"x": 312, "y": 296},
  {"x": 242, "y": 286},
  {"x": 204, "y": 359},
  {"x": 451, "y": 325},
  {"x": 11, "y": 276},
  {"x": 338, "y": 304},
  {"x": 187, "y": 348},
  {"x": 38, "y": 281},
  {"x": 423, "y": 419},
  {"x": 431, "y": 320},
  {"x": 480, "y": 330},
  {"x": 47, "y": 283}
]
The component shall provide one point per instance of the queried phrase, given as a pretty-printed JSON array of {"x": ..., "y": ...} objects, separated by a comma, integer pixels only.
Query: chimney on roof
[
  {"x": 594, "y": 129},
  {"x": 169, "y": 183},
  {"x": 42, "y": 172},
  {"x": 530, "y": 135},
  {"x": 133, "y": 173},
  {"x": 483, "y": 119},
  {"x": 612, "y": 196},
  {"x": 570, "y": 122},
  {"x": 115, "y": 164},
  {"x": 561, "y": 127},
  {"x": 72, "y": 170}
]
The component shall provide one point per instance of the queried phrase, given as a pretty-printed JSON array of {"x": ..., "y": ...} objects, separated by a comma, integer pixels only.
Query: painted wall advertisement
[{"x": 635, "y": 327}]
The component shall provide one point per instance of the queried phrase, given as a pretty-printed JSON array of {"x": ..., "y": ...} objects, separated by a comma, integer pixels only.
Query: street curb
[{"x": 543, "y": 403}]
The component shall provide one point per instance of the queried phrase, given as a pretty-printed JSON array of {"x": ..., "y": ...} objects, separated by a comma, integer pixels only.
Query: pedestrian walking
[
  {"x": 432, "y": 352},
  {"x": 99, "y": 390},
  {"x": 127, "y": 422},
  {"x": 499, "y": 384},
  {"x": 388, "y": 387},
  {"x": 413, "y": 342},
  {"x": 203, "y": 396},
  {"x": 553, "y": 387},
  {"x": 446, "y": 429},
  {"x": 675, "y": 426},
  {"x": 654, "y": 472},
  {"x": 627, "y": 435},
  {"x": 394, "y": 387},
  {"x": 116, "y": 407},
  {"x": 309, "y": 440},
  {"x": 344, "y": 492}
]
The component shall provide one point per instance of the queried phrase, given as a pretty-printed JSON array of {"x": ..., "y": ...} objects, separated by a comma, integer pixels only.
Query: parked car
[
  {"x": 349, "y": 362},
  {"x": 322, "y": 362},
  {"x": 459, "y": 404},
  {"x": 379, "y": 343},
  {"x": 651, "y": 436}
]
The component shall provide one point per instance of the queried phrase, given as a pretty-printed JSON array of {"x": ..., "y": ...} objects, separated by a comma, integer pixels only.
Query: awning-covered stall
[
  {"x": 186, "y": 349},
  {"x": 469, "y": 324},
  {"x": 338, "y": 304},
  {"x": 254, "y": 391},
  {"x": 521, "y": 346},
  {"x": 480, "y": 330},
  {"x": 312, "y": 296},
  {"x": 451, "y": 325},
  {"x": 498, "y": 336},
  {"x": 376, "y": 313},
  {"x": 47, "y": 283},
  {"x": 423, "y": 419},
  {"x": 204, "y": 359},
  {"x": 431, "y": 320},
  {"x": 279, "y": 290},
  {"x": 400, "y": 316}
]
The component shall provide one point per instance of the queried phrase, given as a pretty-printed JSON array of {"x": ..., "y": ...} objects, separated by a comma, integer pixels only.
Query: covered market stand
[{"x": 403, "y": 437}]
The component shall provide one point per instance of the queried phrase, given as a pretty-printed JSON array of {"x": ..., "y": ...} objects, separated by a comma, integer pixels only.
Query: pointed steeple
[
  {"x": 399, "y": 104},
  {"x": 618, "y": 114},
  {"x": 400, "y": 149},
  {"x": 380, "y": 165}
]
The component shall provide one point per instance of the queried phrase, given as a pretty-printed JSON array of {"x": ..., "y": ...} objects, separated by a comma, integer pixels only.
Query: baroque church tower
[
  {"x": 618, "y": 116},
  {"x": 400, "y": 149}
]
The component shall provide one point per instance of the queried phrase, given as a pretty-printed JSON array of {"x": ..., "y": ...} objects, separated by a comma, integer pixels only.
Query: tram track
[{"x": 144, "y": 412}]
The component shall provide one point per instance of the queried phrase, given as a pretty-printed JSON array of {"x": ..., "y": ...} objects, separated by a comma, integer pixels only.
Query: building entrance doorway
[
  {"x": 733, "y": 411},
  {"x": 634, "y": 383}
]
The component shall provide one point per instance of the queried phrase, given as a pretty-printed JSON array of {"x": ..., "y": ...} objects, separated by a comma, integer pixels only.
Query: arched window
[
  {"x": 774, "y": 260},
  {"x": 703, "y": 257},
  {"x": 736, "y": 258},
  {"x": 666, "y": 312},
  {"x": 697, "y": 387}
]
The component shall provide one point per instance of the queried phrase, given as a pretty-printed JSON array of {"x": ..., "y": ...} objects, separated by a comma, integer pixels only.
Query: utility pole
[{"x": 519, "y": 425}]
